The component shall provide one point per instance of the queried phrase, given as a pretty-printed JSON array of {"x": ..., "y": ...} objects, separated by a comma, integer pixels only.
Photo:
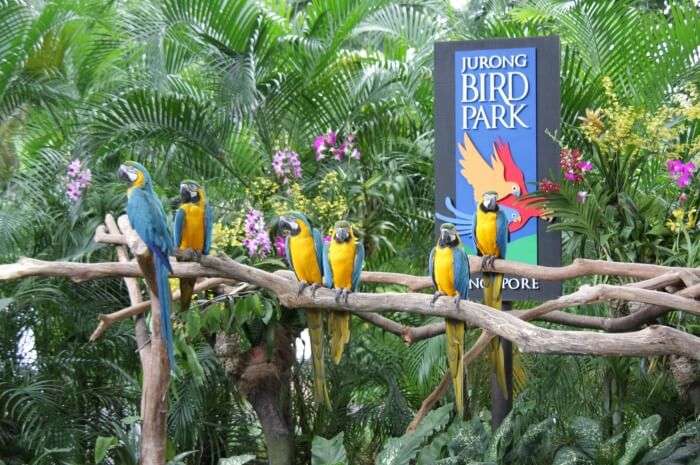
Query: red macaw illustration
[
  {"x": 483, "y": 176},
  {"x": 513, "y": 173}
]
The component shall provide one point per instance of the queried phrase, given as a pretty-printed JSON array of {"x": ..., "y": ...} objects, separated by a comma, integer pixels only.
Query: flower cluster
[
  {"x": 286, "y": 165},
  {"x": 572, "y": 164},
  {"x": 226, "y": 235},
  {"x": 681, "y": 219},
  {"x": 330, "y": 144},
  {"x": 280, "y": 246},
  {"x": 257, "y": 240},
  {"x": 681, "y": 172},
  {"x": 79, "y": 179},
  {"x": 545, "y": 185}
]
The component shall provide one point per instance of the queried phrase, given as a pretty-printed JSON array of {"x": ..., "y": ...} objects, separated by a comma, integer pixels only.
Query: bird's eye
[{"x": 515, "y": 188}]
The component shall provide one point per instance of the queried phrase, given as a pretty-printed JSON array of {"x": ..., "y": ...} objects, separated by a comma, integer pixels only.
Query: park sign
[{"x": 496, "y": 110}]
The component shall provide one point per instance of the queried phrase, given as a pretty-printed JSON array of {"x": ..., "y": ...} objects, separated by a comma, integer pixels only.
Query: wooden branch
[
  {"x": 109, "y": 319},
  {"x": 528, "y": 337},
  {"x": 546, "y": 311},
  {"x": 134, "y": 291},
  {"x": 107, "y": 236}
]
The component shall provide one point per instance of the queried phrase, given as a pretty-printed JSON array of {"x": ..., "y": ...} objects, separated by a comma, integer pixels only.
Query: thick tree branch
[{"x": 651, "y": 341}]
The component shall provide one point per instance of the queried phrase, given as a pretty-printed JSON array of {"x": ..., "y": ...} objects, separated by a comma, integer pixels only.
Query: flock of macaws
[{"x": 336, "y": 265}]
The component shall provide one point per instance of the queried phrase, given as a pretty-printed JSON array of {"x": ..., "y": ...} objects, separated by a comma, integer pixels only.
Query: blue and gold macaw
[
  {"x": 304, "y": 250},
  {"x": 147, "y": 217},
  {"x": 193, "y": 228},
  {"x": 491, "y": 238},
  {"x": 448, "y": 265},
  {"x": 343, "y": 258}
]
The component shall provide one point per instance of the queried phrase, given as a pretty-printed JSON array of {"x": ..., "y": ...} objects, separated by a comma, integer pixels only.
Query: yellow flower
[
  {"x": 678, "y": 213},
  {"x": 692, "y": 219},
  {"x": 592, "y": 123},
  {"x": 672, "y": 225}
]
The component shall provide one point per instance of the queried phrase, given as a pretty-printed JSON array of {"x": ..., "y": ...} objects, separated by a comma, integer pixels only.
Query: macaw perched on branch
[
  {"x": 304, "y": 249},
  {"x": 193, "y": 229},
  {"x": 491, "y": 238},
  {"x": 343, "y": 258},
  {"x": 448, "y": 265},
  {"x": 147, "y": 217}
]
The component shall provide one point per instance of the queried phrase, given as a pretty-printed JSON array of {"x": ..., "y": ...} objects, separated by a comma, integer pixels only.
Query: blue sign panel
[{"x": 496, "y": 101}]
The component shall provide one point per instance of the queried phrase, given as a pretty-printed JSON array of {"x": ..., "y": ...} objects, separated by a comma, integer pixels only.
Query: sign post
[{"x": 496, "y": 108}]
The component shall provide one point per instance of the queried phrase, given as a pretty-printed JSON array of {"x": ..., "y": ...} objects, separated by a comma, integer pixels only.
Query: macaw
[
  {"x": 304, "y": 250},
  {"x": 193, "y": 228},
  {"x": 448, "y": 265},
  {"x": 491, "y": 238},
  {"x": 343, "y": 258},
  {"x": 146, "y": 215}
]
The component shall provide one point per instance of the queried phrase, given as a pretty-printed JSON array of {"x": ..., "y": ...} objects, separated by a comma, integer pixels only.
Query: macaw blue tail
[{"x": 162, "y": 267}]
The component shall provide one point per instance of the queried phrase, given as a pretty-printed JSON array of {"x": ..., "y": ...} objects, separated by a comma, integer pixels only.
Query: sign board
[{"x": 496, "y": 108}]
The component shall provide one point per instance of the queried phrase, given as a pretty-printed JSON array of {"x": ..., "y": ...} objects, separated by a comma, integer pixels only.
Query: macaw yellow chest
[
  {"x": 303, "y": 255},
  {"x": 487, "y": 232},
  {"x": 443, "y": 267},
  {"x": 341, "y": 256},
  {"x": 193, "y": 227}
]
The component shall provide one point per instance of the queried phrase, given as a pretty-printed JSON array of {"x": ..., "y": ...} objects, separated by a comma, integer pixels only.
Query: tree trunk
[
  {"x": 156, "y": 380},
  {"x": 265, "y": 382}
]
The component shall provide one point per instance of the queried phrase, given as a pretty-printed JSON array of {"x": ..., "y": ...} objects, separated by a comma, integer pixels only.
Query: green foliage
[{"x": 328, "y": 451}]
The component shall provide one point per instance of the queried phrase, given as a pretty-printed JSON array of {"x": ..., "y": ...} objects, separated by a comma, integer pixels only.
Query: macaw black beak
[
  {"x": 342, "y": 234},
  {"x": 184, "y": 193},
  {"x": 444, "y": 235},
  {"x": 123, "y": 174}
]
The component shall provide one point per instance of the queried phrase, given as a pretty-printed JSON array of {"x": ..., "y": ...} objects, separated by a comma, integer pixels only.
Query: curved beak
[
  {"x": 184, "y": 193},
  {"x": 444, "y": 235},
  {"x": 342, "y": 234}
]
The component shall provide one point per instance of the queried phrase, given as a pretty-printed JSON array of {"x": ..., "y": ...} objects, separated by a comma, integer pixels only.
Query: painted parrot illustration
[
  {"x": 513, "y": 173},
  {"x": 147, "y": 217},
  {"x": 193, "y": 229},
  {"x": 304, "y": 249},
  {"x": 343, "y": 258},
  {"x": 448, "y": 265},
  {"x": 482, "y": 176},
  {"x": 491, "y": 238}
]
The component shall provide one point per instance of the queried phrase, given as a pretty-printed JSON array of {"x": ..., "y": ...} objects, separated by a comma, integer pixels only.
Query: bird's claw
[
  {"x": 436, "y": 296},
  {"x": 338, "y": 295},
  {"x": 302, "y": 285},
  {"x": 314, "y": 288},
  {"x": 346, "y": 293},
  {"x": 458, "y": 299},
  {"x": 487, "y": 263}
]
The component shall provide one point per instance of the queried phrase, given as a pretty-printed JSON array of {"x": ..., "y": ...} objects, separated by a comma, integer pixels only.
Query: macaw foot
[
  {"x": 458, "y": 299},
  {"x": 436, "y": 296},
  {"x": 338, "y": 295},
  {"x": 487, "y": 262},
  {"x": 345, "y": 294},
  {"x": 314, "y": 288},
  {"x": 302, "y": 285}
]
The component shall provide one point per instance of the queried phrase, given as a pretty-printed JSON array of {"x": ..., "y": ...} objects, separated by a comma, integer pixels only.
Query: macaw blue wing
[
  {"x": 460, "y": 269},
  {"x": 177, "y": 227},
  {"x": 148, "y": 220},
  {"x": 318, "y": 248},
  {"x": 208, "y": 228},
  {"x": 147, "y": 217},
  {"x": 431, "y": 266},
  {"x": 357, "y": 269},
  {"x": 503, "y": 236},
  {"x": 476, "y": 246},
  {"x": 327, "y": 270},
  {"x": 288, "y": 254}
]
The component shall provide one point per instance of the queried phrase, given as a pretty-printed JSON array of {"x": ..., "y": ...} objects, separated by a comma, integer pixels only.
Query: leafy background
[{"x": 210, "y": 90}]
